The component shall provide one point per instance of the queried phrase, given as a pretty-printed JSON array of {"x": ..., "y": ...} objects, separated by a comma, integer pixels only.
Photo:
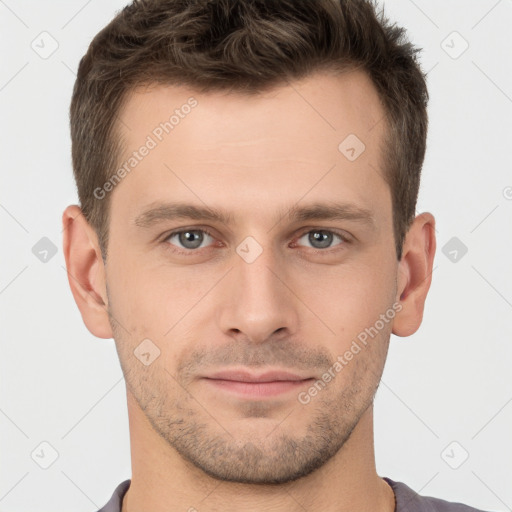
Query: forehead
[
  {"x": 327, "y": 102},
  {"x": 320, "y": 135}
]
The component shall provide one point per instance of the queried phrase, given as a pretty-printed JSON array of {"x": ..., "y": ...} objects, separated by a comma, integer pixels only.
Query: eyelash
[{"x": 192, "y": 252}]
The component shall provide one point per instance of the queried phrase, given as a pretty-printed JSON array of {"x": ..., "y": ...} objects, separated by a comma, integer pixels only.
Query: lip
[
  {"x": 268, "y": 376},
  {"x": 267, "y": 384}
]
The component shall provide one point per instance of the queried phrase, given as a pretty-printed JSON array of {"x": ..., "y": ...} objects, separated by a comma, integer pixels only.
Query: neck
[{"x": 163, "y": 481}]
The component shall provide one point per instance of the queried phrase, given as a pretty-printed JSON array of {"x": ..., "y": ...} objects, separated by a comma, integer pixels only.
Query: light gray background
[{"x": 449, "y": 382}]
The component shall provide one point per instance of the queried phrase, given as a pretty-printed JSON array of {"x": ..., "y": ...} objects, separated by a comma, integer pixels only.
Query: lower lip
[{"x": 258, "y": 389}]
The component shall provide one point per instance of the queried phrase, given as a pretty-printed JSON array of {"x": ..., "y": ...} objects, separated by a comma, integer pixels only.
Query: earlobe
[
  {"x": 86, "y": 271},
  {"x": 415, "y": 274}
]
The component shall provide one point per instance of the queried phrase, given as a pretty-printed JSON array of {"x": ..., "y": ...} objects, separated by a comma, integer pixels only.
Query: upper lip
[{"x": 268, "y": 376}]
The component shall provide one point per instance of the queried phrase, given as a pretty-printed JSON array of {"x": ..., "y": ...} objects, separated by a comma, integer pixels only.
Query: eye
[
  {"x": 322, "y": 238},
  {"x": 189, "y": 239}
]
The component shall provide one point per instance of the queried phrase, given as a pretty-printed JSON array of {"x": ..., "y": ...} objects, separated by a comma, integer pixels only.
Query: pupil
[
  {"x": 191, "y": 239},
  {"x": 321, "y": 238}
]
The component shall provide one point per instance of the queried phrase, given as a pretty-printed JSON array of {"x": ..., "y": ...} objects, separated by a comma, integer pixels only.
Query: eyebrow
[{"x": 159, "y": 212}]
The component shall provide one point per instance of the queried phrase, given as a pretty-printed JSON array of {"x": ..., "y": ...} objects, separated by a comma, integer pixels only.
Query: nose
[{"x": 258, "y": 299}]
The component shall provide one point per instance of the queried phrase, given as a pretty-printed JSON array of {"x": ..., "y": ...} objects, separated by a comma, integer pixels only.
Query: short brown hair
[{"x": 245, "y": 46}]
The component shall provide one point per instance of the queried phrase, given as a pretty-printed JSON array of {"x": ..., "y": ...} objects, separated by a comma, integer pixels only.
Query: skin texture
[{"x": 293, "y": 308}]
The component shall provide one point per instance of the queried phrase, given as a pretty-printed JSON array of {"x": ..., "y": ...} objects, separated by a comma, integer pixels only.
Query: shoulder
[
  {"x": 408, "y": 500},
  {"x": 115, "y": 502}
]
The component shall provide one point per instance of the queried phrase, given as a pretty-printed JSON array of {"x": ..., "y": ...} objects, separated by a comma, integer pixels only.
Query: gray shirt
[{"x": 406, "y": 500}]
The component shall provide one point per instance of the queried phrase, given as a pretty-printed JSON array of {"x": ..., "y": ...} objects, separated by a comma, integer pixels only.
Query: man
[{"x": 248, "y": 173}]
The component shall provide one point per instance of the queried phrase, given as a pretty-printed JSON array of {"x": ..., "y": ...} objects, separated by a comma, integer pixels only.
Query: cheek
[
  {"x": 349, "y": 298},
  {"x": 157, "y": 302}
]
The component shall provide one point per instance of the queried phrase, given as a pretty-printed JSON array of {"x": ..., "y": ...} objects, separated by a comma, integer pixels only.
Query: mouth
[{"x": 251, "y": 385}]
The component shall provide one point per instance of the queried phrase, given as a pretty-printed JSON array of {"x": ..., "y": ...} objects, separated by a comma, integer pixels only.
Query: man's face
[{"x": 265, "y": 291}]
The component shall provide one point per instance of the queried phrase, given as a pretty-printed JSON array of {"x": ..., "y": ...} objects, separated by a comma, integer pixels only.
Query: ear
[
  {"x": 86, "y": 271},
  {"x": 415, "y": 274}
]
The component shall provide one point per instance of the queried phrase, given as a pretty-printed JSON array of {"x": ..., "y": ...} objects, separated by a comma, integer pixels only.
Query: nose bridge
[
  {"x": 257, "y": 278},
  {"x": 257, "y": 303}
]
